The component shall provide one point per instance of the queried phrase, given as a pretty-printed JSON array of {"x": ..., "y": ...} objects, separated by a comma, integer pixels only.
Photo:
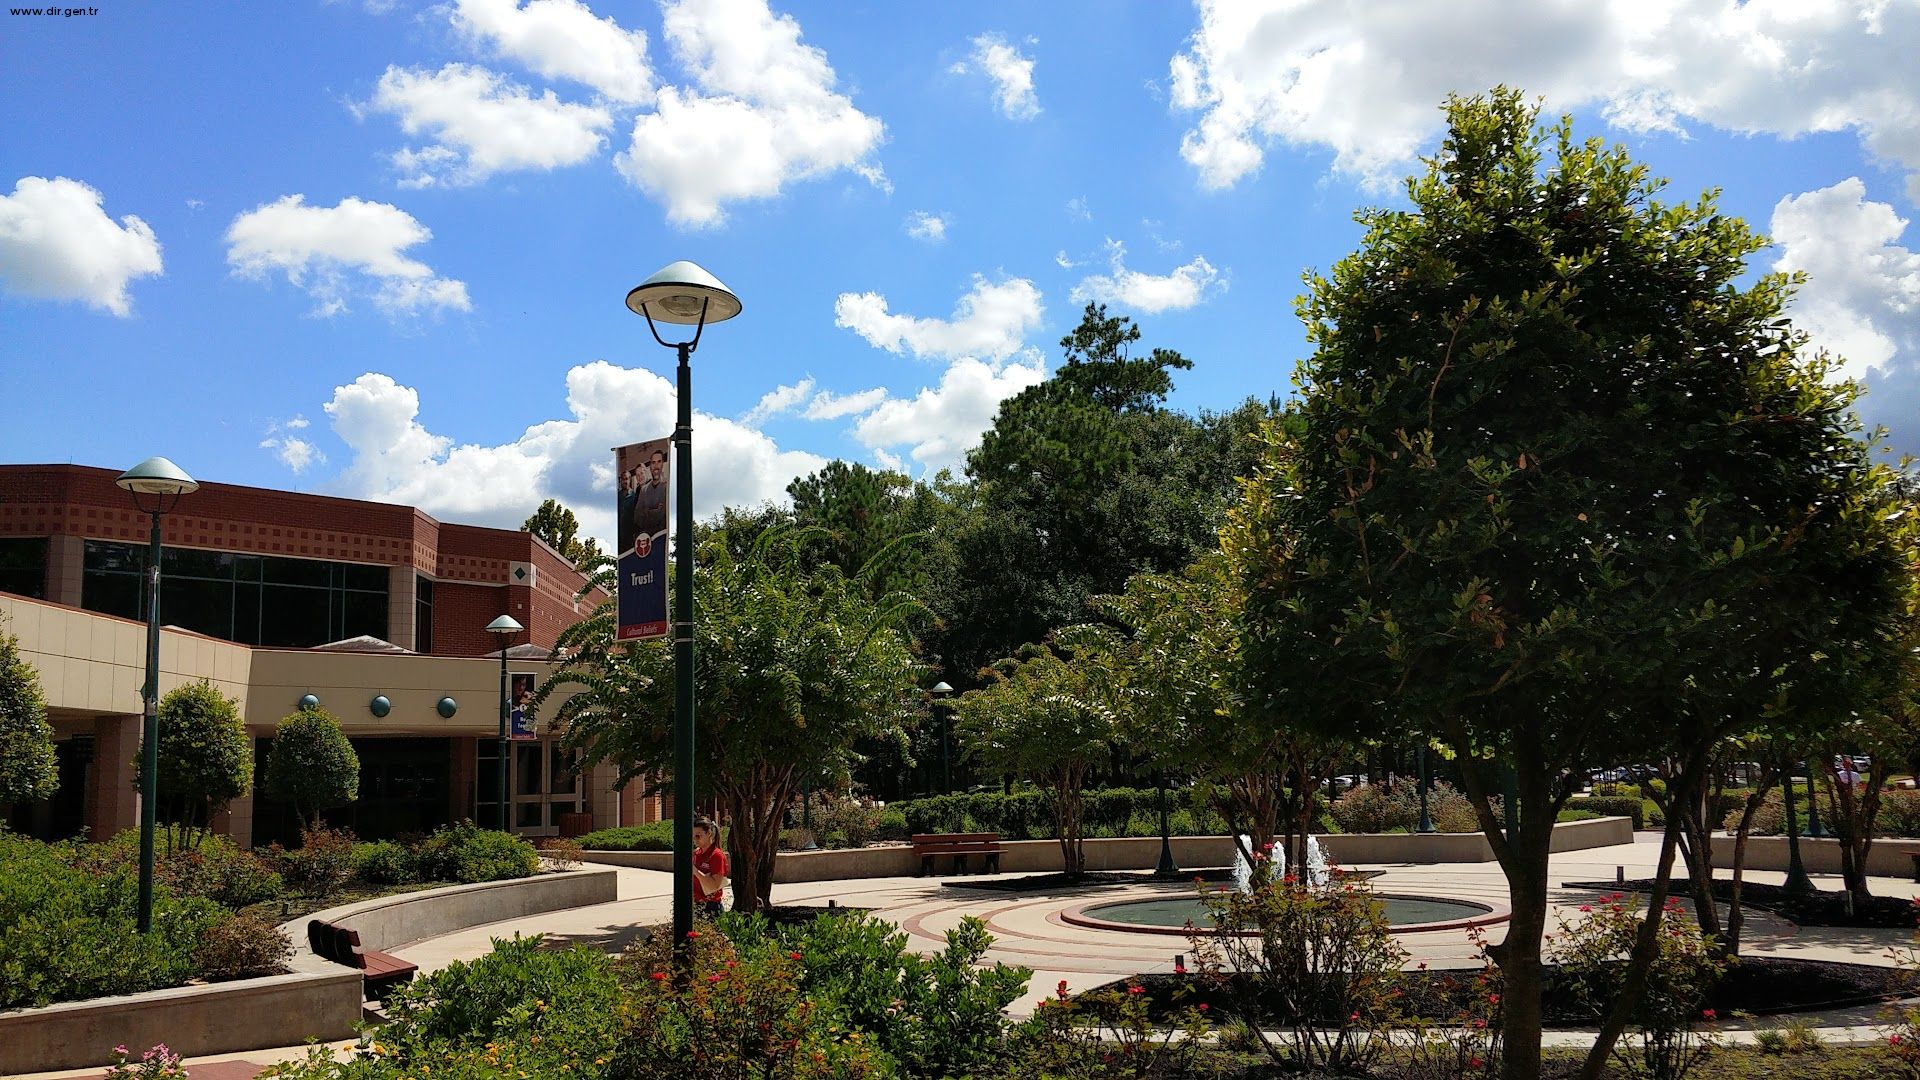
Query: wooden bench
[
  {"x": 1915, "y": 856},
  {"x": 958, "y": 845},
  {"x": 382, "y": 971}
]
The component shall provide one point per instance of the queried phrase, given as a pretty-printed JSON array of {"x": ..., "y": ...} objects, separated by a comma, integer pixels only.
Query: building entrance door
[{"x": 542, "y": 785}]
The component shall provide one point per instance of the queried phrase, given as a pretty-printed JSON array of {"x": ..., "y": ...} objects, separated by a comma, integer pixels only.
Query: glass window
[
  {"x": 308, "y": 572},
  {"x": 530, "y": 815},
  {"x": 526, "y": 768},
  {"x": 564, "y": 763},
  {"x": 365, "y": 613},
  {"x": 23, "y": 567},
  {"x": 187, "y": 562},
  {"x": 114, "y": 558},
  {"x": 204, "y": 607},
  {"x": 423, "y": 615},
  {"x": 112, "y": 594},
  {"x": 363, "y": 578},
  {"x": 293, "y": 618}
]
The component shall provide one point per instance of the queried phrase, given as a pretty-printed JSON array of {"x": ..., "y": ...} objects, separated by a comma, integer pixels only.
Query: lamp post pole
[
  {"x": 1813, "y": 805},
  {"x": 685, "y": 294},
  {"x": 165, "y": 482},
  {"x": 502, "y": 628},
  {"x": 1797, "y": 883},
  {"x": 1167, "y": 867},
  {"x": 1426, "y": 782},
  {"x": 941, "y": 691}
]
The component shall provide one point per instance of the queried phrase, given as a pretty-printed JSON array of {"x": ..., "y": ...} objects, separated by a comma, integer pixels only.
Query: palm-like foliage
[{"x": 793, "y": 664}]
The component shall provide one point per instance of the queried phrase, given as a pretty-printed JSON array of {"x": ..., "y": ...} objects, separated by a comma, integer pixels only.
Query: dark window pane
[
  {"x": 530, "y": 815},
  {"x": 365, "y": 613},
  {"x": 204, "y": 607},
  {"x": 423, "y": 590},
  {"x": 247, "y": 567},
  {"x": 116, "y": 558},
  {"x": 296, "y": 572},
  {"x": 23, "y": 567},
  {"x": 364, "y": 578},
  {"x": 563, "y": 776},
  {"x": 246, "y": 613},
  {"x": 294, "y": 618},
  {"x": 526, "y": 760},
  {"x": 111, "y": 594},
  {"x": 187, "y": 562}
]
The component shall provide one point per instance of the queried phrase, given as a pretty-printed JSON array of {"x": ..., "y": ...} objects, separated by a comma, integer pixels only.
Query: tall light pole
[
  {"x": 941, "y": 691},
  {"x": 502, "y": 628},
  {"x": 1426, "y": 783},
  {"x": 156, "y": 485},
  {"x": 686, "y": 295},
  {"x": 1167, "y": 867}
]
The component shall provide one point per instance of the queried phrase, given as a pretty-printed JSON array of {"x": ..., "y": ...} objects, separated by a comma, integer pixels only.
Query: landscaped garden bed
[{"x": 1809, "y": 909}]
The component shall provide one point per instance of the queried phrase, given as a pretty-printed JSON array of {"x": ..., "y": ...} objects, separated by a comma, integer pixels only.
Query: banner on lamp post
[
  {"x": 642, "y": 482},
  {"x": 520, "y": 725}
]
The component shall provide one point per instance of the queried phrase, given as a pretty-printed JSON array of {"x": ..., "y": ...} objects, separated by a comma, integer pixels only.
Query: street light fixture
[
  {"x": 940, "y": 692},
  {"x": 1167, "y": 867},
  {"x": 1426, "y": 784},
  {"x": 501, "y": 629},
  {"x": 156, "y": 485},
  {"x": 683, "y": 294}
]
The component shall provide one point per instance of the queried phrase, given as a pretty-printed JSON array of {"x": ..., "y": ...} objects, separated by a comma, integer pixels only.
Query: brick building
[{"x": 277, "y": 595}]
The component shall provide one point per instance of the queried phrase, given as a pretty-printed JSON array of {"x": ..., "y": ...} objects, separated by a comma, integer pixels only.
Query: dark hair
[{"x": 707, "y": 824}]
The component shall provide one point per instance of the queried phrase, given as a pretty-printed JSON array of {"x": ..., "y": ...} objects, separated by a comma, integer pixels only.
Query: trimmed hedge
[
  {"x": 1027, "y": 814},
  {"x": 1611, "y": 806},
  {"x": 652, "y": 836}
]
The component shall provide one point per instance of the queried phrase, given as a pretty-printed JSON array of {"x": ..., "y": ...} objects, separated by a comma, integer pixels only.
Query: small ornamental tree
[
  {"x": 312, "y": 766},
  {"x": 27, "y": 767},
  {"x": 206, "y": 759}
]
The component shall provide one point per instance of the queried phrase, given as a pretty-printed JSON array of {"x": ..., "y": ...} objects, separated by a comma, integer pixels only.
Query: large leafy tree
[
  {"x": 1561, "y": 488},
  {"x": 796, "y": 662},
  {"x": 1048, "y": 719},
  {"x": 28, "y": 769},
  {"x": 558, "y": 526},
  {"x": 205, "y": 756}
]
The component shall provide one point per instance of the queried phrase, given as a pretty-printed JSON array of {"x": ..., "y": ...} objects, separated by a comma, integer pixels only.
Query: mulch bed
[
  {"x": 1818, "y": 909},
  {"x": 1760, "y": 985}
]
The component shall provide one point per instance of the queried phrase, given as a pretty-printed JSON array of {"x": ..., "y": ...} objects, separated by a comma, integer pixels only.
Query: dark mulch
[
  {"x": 798, "y": 914},
  {"x": 1818, "y": 909},
  {"x": 1760, "y": 985}
]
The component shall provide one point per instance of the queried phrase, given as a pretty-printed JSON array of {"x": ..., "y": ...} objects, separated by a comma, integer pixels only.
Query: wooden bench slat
[{"x": 959, "y": 846}]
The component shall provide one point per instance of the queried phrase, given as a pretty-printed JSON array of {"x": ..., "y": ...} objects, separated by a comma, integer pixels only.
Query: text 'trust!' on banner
[{"x": 641, "y": 478}]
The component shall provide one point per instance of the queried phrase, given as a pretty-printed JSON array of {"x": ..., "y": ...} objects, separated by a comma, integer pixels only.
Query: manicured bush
[
  {"x": 312, "y": 765},
  {"x": 1899, "y": 813},
  {"x": 68, "y": 933},
  {"x": 242, "y": 947},
  {"x": 843, "y": 822},
  {"x": 230, "y": 876},
  {"x": 205, "y": 758},
  {"x": 383, "y": 863},
  {"x": 1374, "y": 808},
  {"x": 1612, "y": 806},
  {"x": 653, "y": 836},
  {"x": 323, "y": 862},
  {"x": 468, "y": 853},
  {"x": 28, "y": 770},
  {"x": 893, "y": 825}
]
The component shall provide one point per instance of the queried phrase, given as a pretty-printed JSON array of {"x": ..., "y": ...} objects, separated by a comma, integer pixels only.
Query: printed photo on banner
[
  {"x": 520, "y": 697},
  {"x": 642, "y": 484}
]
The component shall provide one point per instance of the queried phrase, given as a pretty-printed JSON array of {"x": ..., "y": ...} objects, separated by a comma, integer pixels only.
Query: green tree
[
  {"x": 558, "y": 526},
  {"x": 796, "y": 663},
  {"x": 1560, "y": 489},
  {"x": 1049, "y": 720},
  {"x": 311, "y": 765},
  {"x": 28, "y": 770},
  {"x": 206, "y": 758}
]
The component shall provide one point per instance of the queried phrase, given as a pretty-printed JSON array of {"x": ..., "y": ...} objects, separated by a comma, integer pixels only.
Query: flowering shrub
[
  {"x": 1669, "y": 1015},
  {"x": 1374, "y": 808},
  {"x": 242, "y": 947},
  {"x": 214, "y": 868},
  {"x": 323, "y": 862},
  {"x": 563, "y": 852},
  {"x": 1105, "y": 1033},
  {"x": 159, "y": 1063},
  {"x": 1903, "y": 1018},
  {"x": 1468, "y": 1042},
  {"x": 1316, "y": 960}
]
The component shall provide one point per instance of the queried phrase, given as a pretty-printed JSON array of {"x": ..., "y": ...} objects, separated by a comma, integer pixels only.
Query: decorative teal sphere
[
  {"x": 380, "y": 706},
  {"x": 448, "y": 707},
  {"x": 308, "y": 701}
]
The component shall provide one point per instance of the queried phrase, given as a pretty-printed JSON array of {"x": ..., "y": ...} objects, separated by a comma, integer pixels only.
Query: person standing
[{"x": 709, "y": 868}]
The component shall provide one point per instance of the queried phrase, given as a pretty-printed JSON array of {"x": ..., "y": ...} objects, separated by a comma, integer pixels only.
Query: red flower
[
  {"x": 1203, "y": 1008},
  {"x": 793, "y": 956},
  {"x": 1136, "y": 988},
  {"x": 1709, "y": 1014},
  {"x": 1179, "y": 969},
  {"x": 1493, "y": 999},
  {"x": 1586, "y": 907},
  {"x": 1894, "y": 1040},
  {"x": 658, "y": 975},
  {"x": 1474, "y": 1062},
  {"x": 691, "y": 934},
  {"x": 713, "y": 978}
]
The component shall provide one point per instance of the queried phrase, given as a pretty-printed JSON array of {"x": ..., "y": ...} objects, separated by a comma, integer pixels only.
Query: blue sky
[{"x": 379, "y": 249}]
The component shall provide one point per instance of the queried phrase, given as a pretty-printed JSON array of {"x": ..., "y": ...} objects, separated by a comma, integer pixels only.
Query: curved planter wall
[
  {"x": 1143, "y": 853},
  {"x": 317, "y": 1000}
]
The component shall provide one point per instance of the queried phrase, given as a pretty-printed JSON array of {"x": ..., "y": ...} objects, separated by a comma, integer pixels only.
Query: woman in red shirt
[{"x": 709, "y": 868}]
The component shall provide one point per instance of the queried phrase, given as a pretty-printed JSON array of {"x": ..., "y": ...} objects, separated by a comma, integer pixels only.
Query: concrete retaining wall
[
  {"x": 1143, "y": 853},
  {"x": 1889, "y": 858},
  {"x": 318, "y": 1000}
]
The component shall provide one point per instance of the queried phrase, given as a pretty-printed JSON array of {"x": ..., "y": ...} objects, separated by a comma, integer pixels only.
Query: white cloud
[
  {"x": 481, "y": 123},
  {"x": 1012, "y": 76},
  {"x": 940, "y": 424},
  {"x": 1061, "y": 260},
  {"x": 332, "y": 252},
  {"x": 56, "y": 243},
  {"x": 294, "y": 452},
  {"x": 561, "y": 39},
  {"x": 397, "y": 459},
  {"x": 1365, "y": 81},
  {"x": 827, "y": 405},
  {"x": 1078, "y": 210},
  {"x": 780, "y": 399},
  {"x": 924, "y": 226},
  {"x": 992, "y": 321},
  {"x": 1183, "y": 288},
  {"x": 764, "y": 114},
  {"x": 1862, "y": 296}
]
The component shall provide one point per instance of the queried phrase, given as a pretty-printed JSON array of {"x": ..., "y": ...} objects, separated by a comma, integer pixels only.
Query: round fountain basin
[{"x": 1173, "y": 914}]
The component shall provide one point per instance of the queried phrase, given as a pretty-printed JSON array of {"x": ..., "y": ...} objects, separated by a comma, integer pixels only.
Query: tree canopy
[
  {"x": 311, "y": 765},
  {"x": 205, "y": 756},
  {"x": 28, "y": 769},
  {"x": 558, "y": 526}
]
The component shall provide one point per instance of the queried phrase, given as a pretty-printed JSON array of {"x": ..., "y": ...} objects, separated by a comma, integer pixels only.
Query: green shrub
[
  {"x": 1668, "y": 1013},
  {"x": 893, "y": 825},
  {"x": 68, "y": 933},
  {"x": 312, "y": 765},
  {"x": 28, "y": 768},
  {"x": 230, "y": 876},
  {"x": 1373, "y": 808},
  {"x": 1899, "y": 813},
  {"x": 844, "y": 822},
  {"x": 468, "y": 853},
  {"x": 322, "y": 863},
  {"x": 652, "y": 836},
  {"x": 1567, "y": 816},
  {"x": 383, "y": 863},
  {"x": 205, "y": 758},
  {"x": 1612, "y": 806},
  {"x": 242, "y": 947}
]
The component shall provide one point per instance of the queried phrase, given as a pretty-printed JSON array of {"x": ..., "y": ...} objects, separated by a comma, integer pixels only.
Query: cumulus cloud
[
  {"x": 780, "y": 399},
  {"x": 991, "y": 320},
  {"x": 1183, "y": 288},
  {"x": 827, "y": 405},
  {"x": 1012, "y": 76},
  {"x": 334, "y": 252},
  {"x": 561, "y": 39},
  {"x": 929, "y": 227},
  {"x": 763, "y": 113},
  {"x": 1364, "y": 80},
  {"x": 56, "y": 243},
  {"x": 1862, "y": 296},
  {"x": 940, "y": 424},
  {"x": 480, "y": 123},
  {"x": 396, "y": 458},
  {"x": 295, "y": 452}
]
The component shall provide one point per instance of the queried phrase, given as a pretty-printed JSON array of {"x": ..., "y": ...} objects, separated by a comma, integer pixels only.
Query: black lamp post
[
  {"x": 940, "y": 692},
  {"x": 156, "y": 485},
  {"x": 1813, "y": 805},
  {"x": 1426, "y": 782},
  {"x": 501, "y": 629},
  {"x": 686, "y": 295},
  {"x": 1797, "y": 883},
  {"x": 1167, "y": 867}
]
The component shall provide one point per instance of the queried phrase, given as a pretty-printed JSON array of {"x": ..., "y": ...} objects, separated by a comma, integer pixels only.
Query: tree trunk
[
  {"x": 1853, "y": 812},
  {"x": 1067, "y": 818},
  {"x": 1736, "y": 918}
]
